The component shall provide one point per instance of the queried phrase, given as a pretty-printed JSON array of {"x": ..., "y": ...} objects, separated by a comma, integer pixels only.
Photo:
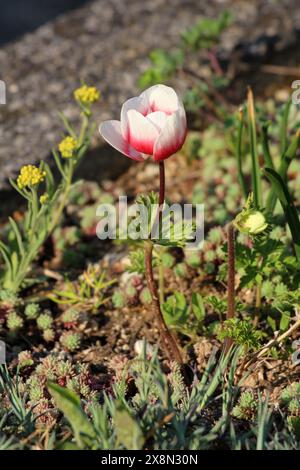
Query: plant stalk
[
  {"x": 239, "y": 154},
  {"x": 256, "y": 176},
  {"x": 257, "y": 305},
  {"x": 168, "y": 341},
  {"x": 161, "y": 282}
]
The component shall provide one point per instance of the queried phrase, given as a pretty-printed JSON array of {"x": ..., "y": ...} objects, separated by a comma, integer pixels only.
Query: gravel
[{"x": 107, "y": 44}]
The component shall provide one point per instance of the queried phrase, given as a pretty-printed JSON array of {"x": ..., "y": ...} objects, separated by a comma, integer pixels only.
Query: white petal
[
  {"x": 162, "y": 98},
  {"x": 142, "y": 133},
  {"x": 172, "y": 136},
  {"x": 111, "y": 132},
  {"x": 158, "y": 118},
  {"x": 138, "y": 103}
]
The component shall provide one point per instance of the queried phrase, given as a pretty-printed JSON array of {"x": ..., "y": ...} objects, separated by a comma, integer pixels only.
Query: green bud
[{"x": 251, "y": 221}]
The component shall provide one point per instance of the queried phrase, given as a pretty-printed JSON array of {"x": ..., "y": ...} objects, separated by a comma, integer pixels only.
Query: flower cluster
[
  {"x": 68, "y": 147},
  {"x": 86, "y": 95},
  {"x": 30, "y": 176}
]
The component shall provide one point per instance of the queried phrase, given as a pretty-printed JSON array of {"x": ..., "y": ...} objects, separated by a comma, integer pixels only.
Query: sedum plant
[
  {"x": 45, "y": 198},
  {"x": 246, "y": 407},
  {"x": 70, "y": 340},
  {"x": 32, "y": 311},
  {"x": 290, "y": 398},
  {"x": 14, "y": 321}
]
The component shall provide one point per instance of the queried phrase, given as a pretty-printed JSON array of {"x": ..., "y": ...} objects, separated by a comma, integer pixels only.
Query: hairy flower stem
[
  {"x": 257, "y": 305},
  {"x": 230, "y": 282},
  {"x": 161, "y": 282},
  {"x": 168, "y": 341},
  {"x": 161, "y": 201}
]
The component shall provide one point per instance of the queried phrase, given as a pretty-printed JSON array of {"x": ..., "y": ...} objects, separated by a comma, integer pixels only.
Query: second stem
[{"x": 168, "y": 341}]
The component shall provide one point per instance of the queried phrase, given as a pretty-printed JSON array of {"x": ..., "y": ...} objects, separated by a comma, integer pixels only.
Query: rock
[{"x": 107, "y": 45}]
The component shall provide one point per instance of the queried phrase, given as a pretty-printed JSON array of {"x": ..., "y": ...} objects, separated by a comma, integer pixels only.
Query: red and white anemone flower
[{"x": 153, "y": 123}]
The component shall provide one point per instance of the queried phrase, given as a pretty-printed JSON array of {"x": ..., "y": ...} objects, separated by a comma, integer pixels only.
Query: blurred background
[
  {"x": 47, "y": 47},
  {"x": 19, "y": 17}
]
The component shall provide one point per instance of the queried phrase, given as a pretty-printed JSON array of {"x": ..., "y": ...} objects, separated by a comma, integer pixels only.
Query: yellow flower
[
  {"x": 68, "y": 146},
  {"x": 87, "y": 95},
  {"x": 44, "y": 198},
  {"x": 30, "y": 176}
]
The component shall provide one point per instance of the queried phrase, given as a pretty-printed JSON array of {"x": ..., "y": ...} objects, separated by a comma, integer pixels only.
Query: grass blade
[
  {"x": 256, "y": 176},
  {"x": 288, "y": 206},
  {"x": 239, "y": 153},
  {"x": 265, "y": 146},
  {"x": 17, "y": 235},
  {"x": 283, "y": 126},
  {"x": 285, "y": 162}
]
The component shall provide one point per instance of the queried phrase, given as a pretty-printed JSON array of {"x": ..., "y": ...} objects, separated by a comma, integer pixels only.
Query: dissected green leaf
[{"x": 198, "y": 307}]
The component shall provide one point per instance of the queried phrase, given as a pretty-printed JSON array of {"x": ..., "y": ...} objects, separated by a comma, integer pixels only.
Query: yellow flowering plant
[
  {"x": 86, "y": 96},
  {"x": 46, "y": 198},
  {"x": 68, "y": 147}
]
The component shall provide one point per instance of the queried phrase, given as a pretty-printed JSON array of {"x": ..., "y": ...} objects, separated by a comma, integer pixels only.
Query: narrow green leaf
[
  {"x": 239, "y": 143},
  {"x": 58, "y": 163},
  {"x": 50, "y": 185},
  {"x": 6, "y": 255},
  {"x": 67, "y": 125},
  {"x": 128, "y": 430},
  {"x": 67, "y": 446},
  {"x": 15, "y": 263},
  {"x": 198, "y": 307},
  {"x": 265, "y": 146},
  {"x": 284, "y": 125},
  {"x": 285, "y": 162},
  {"x": 16, "y": 187},
  {"x": 288, "y": 206},
  {"x": 17, "y": 235},
  {"x": 69, "y": 403}
]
